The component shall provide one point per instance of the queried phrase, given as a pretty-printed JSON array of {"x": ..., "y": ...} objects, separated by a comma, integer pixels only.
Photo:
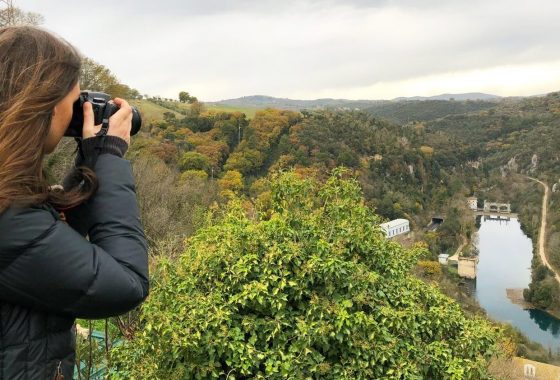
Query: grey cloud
[
  {"x": 190, "y": 8},
  {"x": 233, "y": 48}
]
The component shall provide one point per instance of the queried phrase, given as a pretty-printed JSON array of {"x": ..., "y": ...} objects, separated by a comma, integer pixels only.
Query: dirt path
[
  {"x": 463, "y": 244},
  {"x": 542, "y": 230}
]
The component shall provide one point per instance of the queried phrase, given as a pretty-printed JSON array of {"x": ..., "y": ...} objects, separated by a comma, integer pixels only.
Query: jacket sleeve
[{"x": 59, "y": 271}]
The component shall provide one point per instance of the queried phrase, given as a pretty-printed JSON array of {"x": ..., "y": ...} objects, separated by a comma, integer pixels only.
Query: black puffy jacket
[{"x": 50, "y": 274}]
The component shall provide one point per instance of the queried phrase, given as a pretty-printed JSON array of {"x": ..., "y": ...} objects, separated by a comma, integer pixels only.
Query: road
[{"x": 542, "y": 231}]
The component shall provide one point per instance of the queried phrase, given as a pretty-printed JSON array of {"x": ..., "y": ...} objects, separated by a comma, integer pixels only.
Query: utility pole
[{"x": 238, "y": 132}]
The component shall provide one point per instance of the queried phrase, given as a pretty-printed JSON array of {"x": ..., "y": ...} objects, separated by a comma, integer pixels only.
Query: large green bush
[{"x": 314, "y": 291}]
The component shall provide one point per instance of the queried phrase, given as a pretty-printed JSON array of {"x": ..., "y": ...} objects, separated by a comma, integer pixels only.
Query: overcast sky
[{"x": 307, "y": 49}]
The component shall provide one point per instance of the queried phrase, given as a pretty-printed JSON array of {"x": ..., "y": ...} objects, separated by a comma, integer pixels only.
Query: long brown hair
[{"x": 37, "y": 70}]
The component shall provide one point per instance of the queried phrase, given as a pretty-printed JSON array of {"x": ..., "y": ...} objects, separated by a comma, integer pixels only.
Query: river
[{"x": 505, "y": 262}]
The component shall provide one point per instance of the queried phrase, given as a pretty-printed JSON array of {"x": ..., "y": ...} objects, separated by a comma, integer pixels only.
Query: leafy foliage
[
  {"x": 195, "y": 161},
  {"x": 185, "y": 97},
  {"x": 313, "y": 290},
  {"x": 430, "y": 268},
  {"x": 231, "y": 181},
  {"x": 260, "y": 140},
  {"x": 96, "y": 77},
  {"x": 544, "y": 290}
]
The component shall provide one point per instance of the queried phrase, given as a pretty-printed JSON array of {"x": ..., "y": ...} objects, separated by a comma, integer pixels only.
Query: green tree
[
  {"x": 312, "y": 291},
  {"x": 169, "y": 117},
  {"x": 188, "y": 175},
  {"x": 196, "y": 108},
  {"x": 184, "y": 97},
  {"x": 245, "y": 161},
  {"x": 96, "y": 77},
  {"x": 231, "y": 181},
  {"x": 194, "y": 161},
  {"x": 348, "y": 158}
]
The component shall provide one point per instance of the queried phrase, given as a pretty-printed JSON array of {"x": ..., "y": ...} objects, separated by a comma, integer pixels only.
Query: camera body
[{"x": 102, "y": 109}]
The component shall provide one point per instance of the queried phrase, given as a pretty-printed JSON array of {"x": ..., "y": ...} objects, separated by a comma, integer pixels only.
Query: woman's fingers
[
  {"x": 90, "y": 129},
  {"x": 121, "y": 122},
  {"x": 124, "y": 112}
]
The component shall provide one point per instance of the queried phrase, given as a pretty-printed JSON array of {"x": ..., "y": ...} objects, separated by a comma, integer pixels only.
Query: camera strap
[
  {"x": 89, "y": 158},
  {"x": 99, "y": 144},
  {"x": 105, "y": 123}
]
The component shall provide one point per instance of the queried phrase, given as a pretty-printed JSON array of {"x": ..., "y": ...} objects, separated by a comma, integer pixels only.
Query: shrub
[
  {"x": 188, "y": 175},
  {"x": 231, "y": 181},
  {"x": 313, "y": 291},
  {"x": 430, "y": 268},
  {"x": 427, "y": 150}
]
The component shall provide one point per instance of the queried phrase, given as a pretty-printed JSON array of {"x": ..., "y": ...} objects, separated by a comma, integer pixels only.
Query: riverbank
[
  {"x": 554, "y": 312},
  {"x": 516, "y": 297},
  {"x": 505, "y": 254},
  {"x": 463, "y": 292}
]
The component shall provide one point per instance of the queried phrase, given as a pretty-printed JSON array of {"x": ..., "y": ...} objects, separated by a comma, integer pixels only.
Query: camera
[{"x": 102, "y": 111}]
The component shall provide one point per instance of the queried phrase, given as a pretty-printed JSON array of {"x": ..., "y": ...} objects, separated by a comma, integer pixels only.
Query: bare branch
[{"x": 10, "y": 15}]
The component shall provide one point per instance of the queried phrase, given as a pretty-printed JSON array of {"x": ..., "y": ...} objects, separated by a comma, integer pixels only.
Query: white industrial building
[
  {"x": 473, "y": 203},
  {"x": 443, "y": 259},
  {"x": 396, "y": 227}
]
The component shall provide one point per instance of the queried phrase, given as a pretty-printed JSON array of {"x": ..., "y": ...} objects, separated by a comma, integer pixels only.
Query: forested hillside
[
  {"x": 514, "y": 140},
  {"x": 400, "y": 174},
  {"x": 405, "y": 111}
]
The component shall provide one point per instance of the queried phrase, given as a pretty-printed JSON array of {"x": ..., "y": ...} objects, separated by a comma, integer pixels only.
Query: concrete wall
[
  {"x": 526, "y": 368},
  {"x": 467, "y": 267},
  {"x": 497, "y": 207}
]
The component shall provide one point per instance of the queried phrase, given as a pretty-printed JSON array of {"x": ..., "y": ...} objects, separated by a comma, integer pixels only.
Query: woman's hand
[{"x": 119, "y": 124}]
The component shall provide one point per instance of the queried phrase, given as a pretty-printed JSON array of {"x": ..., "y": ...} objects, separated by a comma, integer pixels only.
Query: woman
[{"x": 50, "y": 273}]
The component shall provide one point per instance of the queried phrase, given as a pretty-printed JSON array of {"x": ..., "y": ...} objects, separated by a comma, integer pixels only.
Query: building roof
[
  {"x": 394, "y": 223},
  {"x": 543, "y": 371}
]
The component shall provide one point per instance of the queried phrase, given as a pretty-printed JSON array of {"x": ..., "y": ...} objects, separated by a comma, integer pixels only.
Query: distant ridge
[
  {"x": 263, "y": 101},
  {"x": 460, "y": 97}
]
